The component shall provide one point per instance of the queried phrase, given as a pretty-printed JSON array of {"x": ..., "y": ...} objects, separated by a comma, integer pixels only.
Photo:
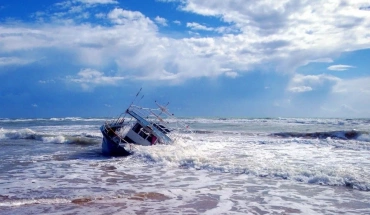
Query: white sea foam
[
  {"x": 2, "y": 133},
  {"x": 54, "y": 139},
  {"x": 54, "y": 134},
  {"x": 311, "y": 160},
  {"x": 21, "y": 202},
  {"x": 234, "y": 166},
  {"x": 75, "y": 119},
  {"x": 24, "y": 133}
]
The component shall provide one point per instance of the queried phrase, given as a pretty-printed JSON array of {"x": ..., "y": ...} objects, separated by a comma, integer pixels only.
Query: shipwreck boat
[{"x": 140, "y": 126}]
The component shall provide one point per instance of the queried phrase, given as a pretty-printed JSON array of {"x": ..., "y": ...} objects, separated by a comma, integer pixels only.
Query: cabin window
[
  {"x": 137, "y": 128},
  {"x": 141, "y": 132}
]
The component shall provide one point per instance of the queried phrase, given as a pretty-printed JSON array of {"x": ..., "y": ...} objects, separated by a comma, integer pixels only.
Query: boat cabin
[{"x": 141, "y": 135}]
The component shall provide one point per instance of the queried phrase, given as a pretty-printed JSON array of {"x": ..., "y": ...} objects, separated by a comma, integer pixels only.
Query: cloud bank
[
  {"x": 109, "y": 44},
  {"x": 282, "y": 34}
]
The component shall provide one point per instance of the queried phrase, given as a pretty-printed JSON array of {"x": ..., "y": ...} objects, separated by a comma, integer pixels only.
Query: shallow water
[{"x": 227, "y": 166}]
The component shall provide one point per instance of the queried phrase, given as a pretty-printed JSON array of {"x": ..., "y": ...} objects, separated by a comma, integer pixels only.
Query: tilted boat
[{"x": 140, "y": 126}]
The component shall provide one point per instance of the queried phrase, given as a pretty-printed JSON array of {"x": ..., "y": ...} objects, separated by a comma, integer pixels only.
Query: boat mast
[{"x": 120, "y": 116}]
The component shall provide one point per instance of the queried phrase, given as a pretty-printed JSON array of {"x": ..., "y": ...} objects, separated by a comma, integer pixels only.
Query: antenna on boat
[
  {"x": 164, "y": 108},
  {"x": 137, "y": 94},
  {"x": 140, "y": 99}
]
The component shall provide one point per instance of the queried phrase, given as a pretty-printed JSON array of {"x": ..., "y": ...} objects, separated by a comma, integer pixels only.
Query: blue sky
[{"x": 213, "y": 58}]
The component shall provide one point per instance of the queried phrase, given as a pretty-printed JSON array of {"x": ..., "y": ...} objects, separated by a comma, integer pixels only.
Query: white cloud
[
  {"x": 197, "y": 26},
  {"x": 334, "y": 97},
  {"x": 300, "y": 89},
  {"x": 89, "y": 78},
  {"x": 160, "y": 20},
  {"x": 194, "y": 26},
  {"x": 100, "y": 15},
  {"x": 46, "y": 81},
  {"x": 98, "y": 1},
  {"x": 314, "y": 79},
  {"x": 14, "y": 61},
  {"x": 72, "y": 11},
  {"x": 64, "y": 4},
  {"x": 353, "y": 87},
  {"x": 322, "y": 60},
  {"x": 75, "y": 9},
  {"x": 260, "y": 35},
  {"x": 311, "y": 29},
  {"x": 256, "y": 35},
  {"x": 340, "y": 67},
  {"x": 231, "y": 74},
  {"x": 167, "y": 0},
  {"x": 118, "y": 14},
  {"x": 305, "y": 83},
  {"x": 131, "y": 19},
  {"x": 348, "y": 98}
]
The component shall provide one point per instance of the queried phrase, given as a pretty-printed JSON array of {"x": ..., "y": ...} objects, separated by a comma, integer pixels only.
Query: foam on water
[
  {"x": 325, "y": 162},
  {"x": 233, "y": 166},
  {"x": 21, "y": 202},
  {"x": 55, "y": 139},
  {"x": 2, "y": 133},
  {"x": 51, "y": 134},
  {"x": 126, "y": 186},
  {"x": 19, "y": 134}
]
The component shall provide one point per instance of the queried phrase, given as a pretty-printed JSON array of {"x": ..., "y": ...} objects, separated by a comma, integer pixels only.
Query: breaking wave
[
  {"x": 65, "y": 119},
  {"x": 28, "y": 134},
  {"x": 319, "y": 176},
  {"x": 309, "y": 177}
]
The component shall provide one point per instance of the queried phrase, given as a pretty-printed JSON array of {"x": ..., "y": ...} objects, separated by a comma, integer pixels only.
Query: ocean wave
[
  {"x": 319, "y": 177},
  {"x": 308, "y": 163},
  {"x": 304, "y": 121},
  {"x": 8, "y": 120},
  {"x": 74, "y": 119},
  {"x": 53, "y": 119},
  {"x": 82, "y": 140},
  {"x": 342, "y": 135},
  {"x": 73, "y": 140},
  {"x": 25, "y": 133},
  {"x": 224, "y": 132},
  {"x": 28, "y": 134}
]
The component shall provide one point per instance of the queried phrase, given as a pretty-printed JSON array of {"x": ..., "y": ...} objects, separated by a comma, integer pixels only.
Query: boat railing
[
  {"x": 108, "y": 129},
  {"x": 157, "y": 117},
  {"x": 153, "y": 114},
  {"x": 161, "y": 116}
]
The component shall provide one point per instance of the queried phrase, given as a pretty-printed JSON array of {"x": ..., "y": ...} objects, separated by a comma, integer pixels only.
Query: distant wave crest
[
  {"x": 28, "y": 134},
  {"x": 342, "y": 135}
]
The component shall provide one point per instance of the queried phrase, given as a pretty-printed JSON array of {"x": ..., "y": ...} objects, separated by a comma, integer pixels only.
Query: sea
[{"x": 219, "y": 166}]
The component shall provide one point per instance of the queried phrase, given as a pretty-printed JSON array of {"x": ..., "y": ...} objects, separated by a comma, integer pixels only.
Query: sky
[{"x": 206, "y": 58}]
